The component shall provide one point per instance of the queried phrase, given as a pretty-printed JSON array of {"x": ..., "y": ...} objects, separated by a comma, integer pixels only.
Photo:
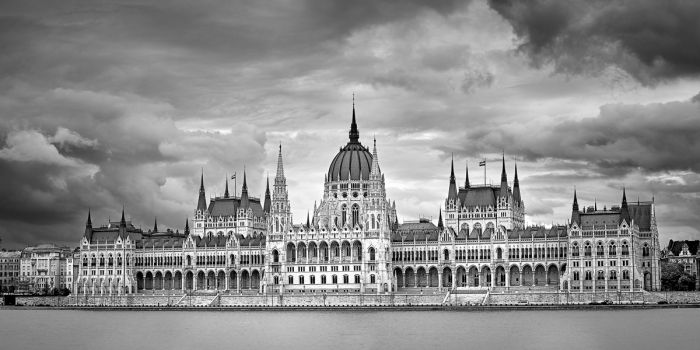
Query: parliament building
[{"x": 354, "y": 243}]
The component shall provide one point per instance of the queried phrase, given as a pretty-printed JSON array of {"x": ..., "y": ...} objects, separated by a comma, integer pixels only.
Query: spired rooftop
[{"x": 354, "y": 161}]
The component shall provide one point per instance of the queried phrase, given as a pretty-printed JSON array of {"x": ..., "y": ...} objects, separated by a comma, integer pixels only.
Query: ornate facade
[{"x": 354, "y": 243}]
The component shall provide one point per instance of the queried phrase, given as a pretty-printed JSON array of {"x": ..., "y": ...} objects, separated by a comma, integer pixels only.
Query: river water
[{"x": 199, "y": 330}]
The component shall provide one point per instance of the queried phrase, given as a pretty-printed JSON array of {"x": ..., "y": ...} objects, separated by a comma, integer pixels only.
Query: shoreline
[{"x": 478, "y": 308}]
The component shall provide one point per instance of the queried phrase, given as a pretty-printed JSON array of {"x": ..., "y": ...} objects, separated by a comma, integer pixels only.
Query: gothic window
[
  {"x": 645, "y": 250},
  {"x": 323, "y": 279},
  {"x": 625, "y": 275},
  {"x": 372, "y": 219},
  {"x": 346, "y": 279},
  {"x": 357, "y": 278},
  {"x": 589, "y": 276},
  {"x": 355, "y": 215},
  {"x": 612, "y": 250},
  {"x": 576, "y": 276},
  {"x": 613, "y": 275},
  {"x": 344, "y": 215},
  {"x": 335, "y": 279},
  {"x": 372, "y": 279},
  {"x": 587, "y": 249},
  {"x": 601, "y": 275},
  {"x": 599, "y": 249},
  {"x": 625, "y": 249},
  {"x": 291, "y": 279},
  {"x": 371, "y": 254}
]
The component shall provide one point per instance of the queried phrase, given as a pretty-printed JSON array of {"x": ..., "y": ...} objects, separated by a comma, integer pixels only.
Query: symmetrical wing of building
[{"x": 353, "y": 242}]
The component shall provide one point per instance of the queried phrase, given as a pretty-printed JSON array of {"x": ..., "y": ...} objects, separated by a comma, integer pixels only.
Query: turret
[
  {"x": 440, "y": 225},
  {"x": 155, "y": 225},
  {"x": 375, "y": 162},
  {"x": 452, "y": 192},
  {"x": 504, "y": 180},
  {"x": 266, "y": 206},
  {"x": 575, "y": 214},
  {"x": 624, "y": 209},
  {"x": 202, "y": 202},
  {"x": 88, "y": 226},
  {"x": 244, "y": 193},
  {"x": 466, "y": 175},
  {"x": 187, "y": 227},
  {"x": 226, "y": 190},
  {"x": 354, "y": 133},
  {"x": 516, "y": 186}
]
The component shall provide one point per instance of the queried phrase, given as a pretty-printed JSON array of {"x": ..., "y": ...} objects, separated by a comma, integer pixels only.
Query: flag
[
  {"x": 233, "y": 177},
  {"x": 482, "y": 163}
]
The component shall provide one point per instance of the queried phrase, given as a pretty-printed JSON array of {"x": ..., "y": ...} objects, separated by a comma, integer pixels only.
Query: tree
[{"x": 674, "y": 277}]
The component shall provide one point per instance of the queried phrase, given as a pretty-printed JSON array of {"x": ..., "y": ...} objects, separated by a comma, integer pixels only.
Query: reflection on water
[{"x": 624, "y": 329}]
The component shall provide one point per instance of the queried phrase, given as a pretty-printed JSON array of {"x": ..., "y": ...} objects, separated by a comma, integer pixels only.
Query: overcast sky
[{"x": 106, "y": 103}]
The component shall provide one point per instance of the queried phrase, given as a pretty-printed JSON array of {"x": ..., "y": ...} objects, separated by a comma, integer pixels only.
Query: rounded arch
[{"x": 514, "y": 275}]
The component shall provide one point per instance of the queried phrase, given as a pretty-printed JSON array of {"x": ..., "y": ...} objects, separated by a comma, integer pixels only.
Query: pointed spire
[
  {"x": 575, "y": 214},
  {"x": 155, "y": 225},
  {"x": 452, "y": 192},
  {"x": 88, "y": 226},
  {"x": 226, "y": 190},
  {"x": 516, "y": 185},
  {"x": 244, "y": 192},
  {"x": 187, "y": 226},
  {"x": 122, "y": 222},
  {"x": 375, "y": 160},
  {"x": 354, "y": 133},
  {"x": 267, "y": 204},
  {"x": 595, "y": 204},
  {"x": 440, "y": 225},
  {"x": 308, "y": 223},
  {"x": 89, "y": 219},
  {"x": 202, "y": 201},
  {"x": 504, "y": 178},
  {"x": 280, "y": 166},
  {"x": 624, "y": 209},
  {"x": 466, "y": 175}
]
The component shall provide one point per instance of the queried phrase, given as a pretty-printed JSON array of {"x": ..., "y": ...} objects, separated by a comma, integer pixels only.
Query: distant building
[
  {"x": 686, "y": 254},
  {"x": 9, "y": 270},
  {"x": 45, "y": 267}
]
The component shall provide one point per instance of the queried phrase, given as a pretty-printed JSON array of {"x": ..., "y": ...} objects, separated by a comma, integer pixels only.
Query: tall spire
[
  {"x": 122, "y": 222},
  {"x": 516, "y": 185},
  {"x": 226, "y": 190},
  {"x": 575, "y": 214},
  {"x": 624, "y": 209},
  {"x": 375, "y": 160},
  {"x": 504, "y": 179},
  {"x": 308, "y": 223},
  {"x": 187, "y": 226},
  {"x": 244, "y": 192},
  {"x": 155, "y": 224},
  {"x": 440, "y": 225},
  {"x": 466, "y": 177},
  {"x": 266, "y": 206},
  {"x": 202, "y": 202},
  {"x": 452, "y": 192},
  {"x": 88, "y": 226},
  {"x": 89, "y": 220},
  {"x": 354, "y": 133},
  {"x": 280, "y": 166}
]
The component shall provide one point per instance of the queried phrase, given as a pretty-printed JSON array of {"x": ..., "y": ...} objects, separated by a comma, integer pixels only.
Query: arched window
[
  {"x": 344, "y": 215},
  {"x": 625, "y": 249},
  {"x": 102, "y": 260},
  {"x": 576, "y": 276},
  {"x": 291, "y": 279},
  {"x": 625, "y": 275},
  {"x": 357, "y": 278},
  {"x": 346, "y": 279},
  {"x": 372, "y": 279},
  {"x": 612, "y": 249},
  {"x": 599, "y": 249},
  {"x": 275, "y": 256},
  {"x": 355, "y": 215},
  {"x": 601, "y": 275},
  {"x": 645, "y": 250},
  {"x": 587, "y": 249},
  {"x": 372, "y": 219},
  {"x": 574, "y": 249},
  {"x": 446, "y": 254},
  {"x": 371, "y": 254},
  {"x": 301, "y": 279},
  {"x": 335, "y": 279},
  {"x": 323, "y": 279},
  {"x": 613, "y": 275},
  {"x": 589, "y": 276}
]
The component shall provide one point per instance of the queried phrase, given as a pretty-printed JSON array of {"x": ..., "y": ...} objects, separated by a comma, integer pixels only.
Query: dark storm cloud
[
  {"x": 651, "y": 40},
  {"x": 622, "y": 138}
]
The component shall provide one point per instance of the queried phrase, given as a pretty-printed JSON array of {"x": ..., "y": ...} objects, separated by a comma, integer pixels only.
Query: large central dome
[{"x": 354, "y": 161}]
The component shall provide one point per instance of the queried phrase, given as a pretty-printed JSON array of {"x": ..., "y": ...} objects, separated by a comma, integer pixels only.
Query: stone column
[{"x": 493, "y": 278}]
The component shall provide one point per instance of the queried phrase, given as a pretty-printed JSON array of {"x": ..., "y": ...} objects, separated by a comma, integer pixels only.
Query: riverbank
[{"x": 363, "y": 308}]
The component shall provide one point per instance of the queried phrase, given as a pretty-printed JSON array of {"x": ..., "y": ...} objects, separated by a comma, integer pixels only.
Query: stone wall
[{"x": 554, "y": 298}]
